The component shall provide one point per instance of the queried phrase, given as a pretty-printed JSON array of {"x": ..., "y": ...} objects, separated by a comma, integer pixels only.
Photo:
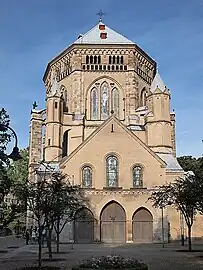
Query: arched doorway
[
  {"x": 84, "y": 226},
  {"x": 142, "y": 226},
  {"x": 113, "y": 227}
]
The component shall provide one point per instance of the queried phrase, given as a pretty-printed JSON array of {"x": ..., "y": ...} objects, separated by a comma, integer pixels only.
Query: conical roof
[
  {"x": 93, "y": 36},
  {"x": 157, "y": 83}
]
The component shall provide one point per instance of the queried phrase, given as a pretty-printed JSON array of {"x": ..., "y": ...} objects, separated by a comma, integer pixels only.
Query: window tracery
[
  {"x": 137, "y": 176},
  {"x": 115, "y": 102},
  {"x": 94, "y": 103},
  {"x": 104, "y": 101},
  {"x": 112, "y": 171},
  {"x": 87, "y": 177}
]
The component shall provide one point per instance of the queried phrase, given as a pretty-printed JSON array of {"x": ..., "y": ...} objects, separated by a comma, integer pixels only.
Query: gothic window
[
  {"x": 118, "y": 59},
  {"x": 104, "y": 101},
  {"x": 121, "y": 59},
  {"x": 94, "y": 104},
  {"x": 91, "y": 59},
  {"x": 65, "y": 98},
  {"x": 87, "y": 177},
  {"x": 143, "y": 96},
  {"x": 95, "y": 59},
  {"x": 112, "y": 171},
  {"x": 137, "y": 176},
  {"x": 115, "y": 102},
  {"x": 99, "y": 59},
  {"x": 65, "y": 144}
]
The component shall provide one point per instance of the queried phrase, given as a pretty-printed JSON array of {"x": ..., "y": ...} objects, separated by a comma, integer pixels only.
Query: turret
[
  {"x": 173, "y": 133},
  {"x": 53, "y": 137},
  {"x": 158, "y": 122},
  {"x": 35, "y": 143}
]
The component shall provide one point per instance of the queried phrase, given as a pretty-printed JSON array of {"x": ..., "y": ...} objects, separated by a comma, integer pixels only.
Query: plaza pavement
[{"x": 154, "y": 255}]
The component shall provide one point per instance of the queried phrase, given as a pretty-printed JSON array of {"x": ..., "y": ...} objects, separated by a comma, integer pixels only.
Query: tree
[
  {"x": 5, "y": 137},
  {"x": 189, "y": 163},
  {"x": 67, "y": 200},
  {"x": 16, "y": 174},
  {"x": 36, "y": 194},
  {"x": 50, "y": 197},
  {"x": 181, "y": 195}
]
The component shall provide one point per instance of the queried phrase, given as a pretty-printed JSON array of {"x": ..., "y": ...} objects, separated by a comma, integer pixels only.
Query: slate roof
[
  {"x": 171, "y": 162},
  {"x": 93, "y": 37},
  {"x": 157, "y": 83}
]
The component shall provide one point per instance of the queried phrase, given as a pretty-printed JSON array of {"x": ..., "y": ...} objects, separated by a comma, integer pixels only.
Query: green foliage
[
  {"x": 189, "y": 163},
  {"x": 4, "y": 135},
  {"x": 18, "y": 171},
  {"x": 5, "y": 182},
  {"x": 181, "y": 194}
]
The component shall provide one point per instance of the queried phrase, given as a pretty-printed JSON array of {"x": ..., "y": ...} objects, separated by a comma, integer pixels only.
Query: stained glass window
[
  {"x": 112, "y": 171},
  {"x": 94, "y": 104},
  {"x": 104, "y": 101},
  {"x": 137, "y": 176},
  {"x": 87, "y": 177},
  {"x": 115, "y": 102}
]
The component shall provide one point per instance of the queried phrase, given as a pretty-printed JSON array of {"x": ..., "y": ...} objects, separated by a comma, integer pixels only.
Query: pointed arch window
[
  {"x": 104, "y": 101},
  {"x": 137, "y": 176},
  {"x": 65, "y": 98},
  {"x": 94, "y": 103},
  {"x": 112, "y": 171},
  {"x": 115, "y": 102},
  {"x": 143, "y": 97},
  {"x": 87, "y": 177}
]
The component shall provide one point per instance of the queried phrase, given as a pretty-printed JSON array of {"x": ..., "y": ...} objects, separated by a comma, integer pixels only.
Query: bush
[{"x": 112, "y": 262}]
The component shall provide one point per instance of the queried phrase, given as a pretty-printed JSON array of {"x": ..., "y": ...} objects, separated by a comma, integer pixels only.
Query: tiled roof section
[
  {"x": 171, "y": 161},
  {"x": 157, "y": 83},
  {"x": 94, "y": 36}
]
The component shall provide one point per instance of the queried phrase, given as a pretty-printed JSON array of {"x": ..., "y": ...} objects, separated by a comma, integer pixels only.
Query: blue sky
[{"x": 170, "y": 31}]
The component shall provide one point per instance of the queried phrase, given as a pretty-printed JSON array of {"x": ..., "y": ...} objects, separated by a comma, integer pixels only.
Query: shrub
[{"x": 112, "y": 262}]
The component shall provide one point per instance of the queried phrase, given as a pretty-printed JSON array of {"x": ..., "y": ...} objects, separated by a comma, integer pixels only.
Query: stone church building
[{"x": 108, "y": 125}]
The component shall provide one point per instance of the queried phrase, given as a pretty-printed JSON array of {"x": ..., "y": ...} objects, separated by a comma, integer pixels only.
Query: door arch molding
[
  {"x": 142, "y": 226},
  {"x": 113, "y": 223}
]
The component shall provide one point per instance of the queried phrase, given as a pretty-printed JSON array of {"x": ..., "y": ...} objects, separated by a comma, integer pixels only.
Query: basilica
[{"x": 108, "y": 125}]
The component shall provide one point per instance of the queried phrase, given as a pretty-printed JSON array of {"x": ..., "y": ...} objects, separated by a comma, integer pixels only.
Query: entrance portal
[
  {"x": 142, "y": 226},
  {"x": 113, "y": 223}
]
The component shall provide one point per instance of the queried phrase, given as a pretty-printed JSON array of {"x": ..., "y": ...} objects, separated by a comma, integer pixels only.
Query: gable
[
  {"x": 119, "y": 134},
  {"x": 112, "y": 137}
]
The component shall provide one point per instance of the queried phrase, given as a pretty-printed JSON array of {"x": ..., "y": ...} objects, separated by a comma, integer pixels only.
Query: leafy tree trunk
[
  {"x": 189, "y": 237},
  {"x": 57, "y": 234}
]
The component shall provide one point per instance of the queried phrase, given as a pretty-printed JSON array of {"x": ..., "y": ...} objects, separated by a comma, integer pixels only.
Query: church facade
[{"x": 108, "y": 125}]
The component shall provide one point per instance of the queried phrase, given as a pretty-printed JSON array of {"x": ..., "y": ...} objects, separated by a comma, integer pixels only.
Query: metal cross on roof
[{"x": 100, "y": 14}]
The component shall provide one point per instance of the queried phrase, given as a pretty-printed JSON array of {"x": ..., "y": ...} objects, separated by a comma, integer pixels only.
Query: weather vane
[{"x": 100, "y": 14}]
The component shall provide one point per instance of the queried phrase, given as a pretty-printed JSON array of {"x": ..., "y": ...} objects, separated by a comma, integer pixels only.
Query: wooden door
[
  {"x": 142, "y": 226},
  {"x": 113, "y": 224},
  {"x": 84, "y": 226}
]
